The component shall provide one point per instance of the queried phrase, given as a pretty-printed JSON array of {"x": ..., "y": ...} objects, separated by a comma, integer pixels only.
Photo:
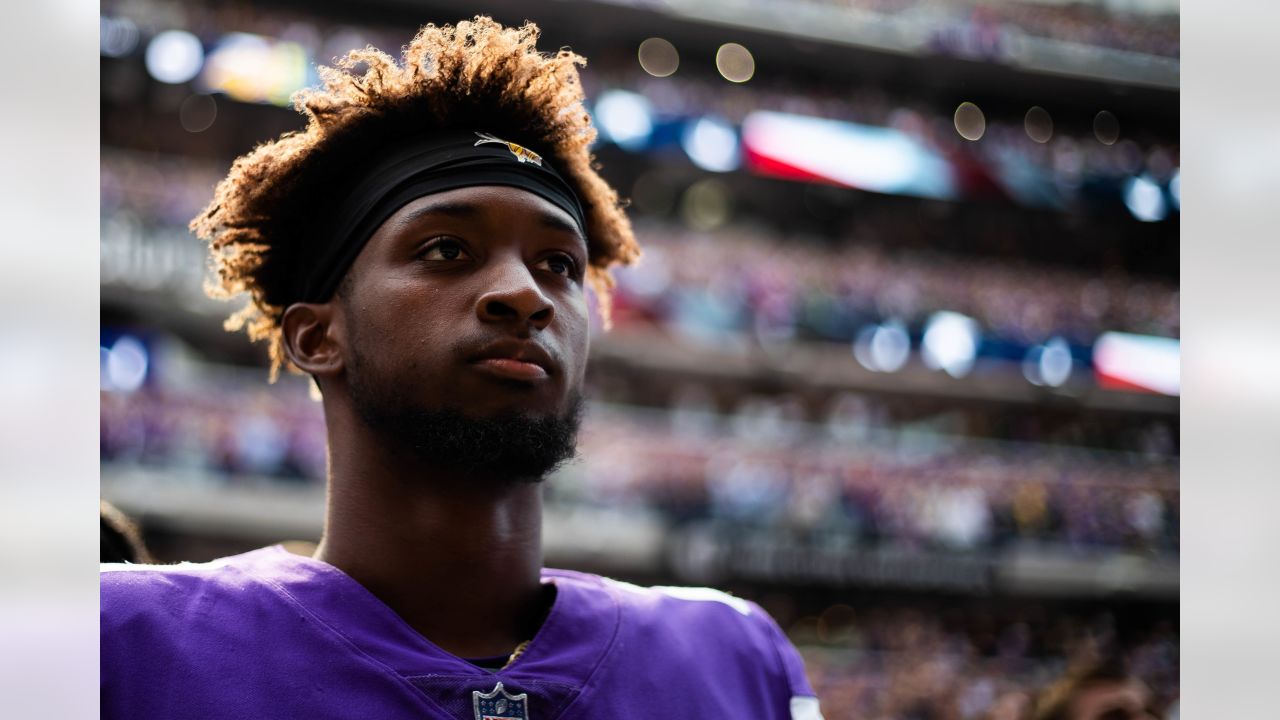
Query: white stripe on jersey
[
  {"x": 701, "y": 594},
  {"x": 180, "y": 567},
  {"x": 805, "y": 708}
]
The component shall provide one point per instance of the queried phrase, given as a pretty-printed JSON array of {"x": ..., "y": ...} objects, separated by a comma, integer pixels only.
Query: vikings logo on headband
[{"x": 522, "y": 153}]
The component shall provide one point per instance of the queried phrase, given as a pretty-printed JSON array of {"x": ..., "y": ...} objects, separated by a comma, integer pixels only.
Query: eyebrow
[
  {"x": 557, "y": 222},
  {"x": 444, "y": 207},
  {"x": 466, "y": 210}
]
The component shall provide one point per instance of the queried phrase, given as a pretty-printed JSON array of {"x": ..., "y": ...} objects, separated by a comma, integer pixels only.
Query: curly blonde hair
[{"x": 476, "y": 74}]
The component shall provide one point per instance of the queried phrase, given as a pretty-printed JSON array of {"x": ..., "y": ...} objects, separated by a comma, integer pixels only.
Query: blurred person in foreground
[
  {"x": 1102, "y": 690},
  {"x": 120, "y": 540},
  {"x": 422, "y": 250}
]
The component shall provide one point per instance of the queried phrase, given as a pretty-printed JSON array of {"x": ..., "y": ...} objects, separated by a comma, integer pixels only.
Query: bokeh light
[
  {"x": 197, "y": 113},
  {"x": 705, "y": 205},
  {"x": 174, "y": 56},
  {"x": 1055, "y": 362},
  {"x": 624, "y": 117},
  {"x": 650, "y": 276},
  {"x": 1049, "y": 364},
  {"x": 970, "y": 122},
  {"x": 950, "y": 343},
  {"x": 658, "y": 57},
  {"x": 1039, "y": 124},
  {"x": 1106, "y": 128},
  {"x": 884, "y": 347},
  {"x": 653, "y": 194},
  {"x": 257, "y": 68},
  {"x": 124, "y": 365},
  {"x": 117, "y": 36},
  {"x": 1142, "y": 361},
  {"x": 1144, "y": 199},
  {"x": 735, "y": 63},
  {"x": 712, "y": 144}
]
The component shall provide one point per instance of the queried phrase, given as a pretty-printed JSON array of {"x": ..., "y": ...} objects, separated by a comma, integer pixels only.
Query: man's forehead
[{"x": 481, "y": 203}]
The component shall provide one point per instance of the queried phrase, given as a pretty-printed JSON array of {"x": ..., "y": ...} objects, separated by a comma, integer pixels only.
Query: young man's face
[{"x": 470, "y": 302}]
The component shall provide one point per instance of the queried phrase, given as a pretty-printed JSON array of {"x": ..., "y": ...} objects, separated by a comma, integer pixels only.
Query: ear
[{"x": 312, "y": 334}]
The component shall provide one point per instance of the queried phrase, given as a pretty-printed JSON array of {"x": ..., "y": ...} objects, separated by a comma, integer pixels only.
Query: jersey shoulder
[
  {"x": 707, "y": 627},
  {"x": 180, "y": 598}
]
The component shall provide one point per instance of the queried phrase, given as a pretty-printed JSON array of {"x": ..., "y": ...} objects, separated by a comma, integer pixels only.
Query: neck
[{"x": 460, "y": 562}]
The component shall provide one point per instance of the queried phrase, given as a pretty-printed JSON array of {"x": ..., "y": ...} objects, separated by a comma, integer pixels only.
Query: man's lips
[
  {"x": 515, "y": 359},
  {"x": 512, "y": 368}
]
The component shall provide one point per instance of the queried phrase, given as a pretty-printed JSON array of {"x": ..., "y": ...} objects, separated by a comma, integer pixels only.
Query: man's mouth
[
  {"x": 514, "y": 360},
  {"x": 512, "y": 368}
]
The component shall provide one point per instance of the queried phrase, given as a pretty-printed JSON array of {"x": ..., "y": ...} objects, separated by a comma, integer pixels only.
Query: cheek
[
  {"x": 408, "y": 321},
  {"x": 577, "y": 334}
]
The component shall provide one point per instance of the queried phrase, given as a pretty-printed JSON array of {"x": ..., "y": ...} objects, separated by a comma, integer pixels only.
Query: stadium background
[{"x": 900, "y": 362}]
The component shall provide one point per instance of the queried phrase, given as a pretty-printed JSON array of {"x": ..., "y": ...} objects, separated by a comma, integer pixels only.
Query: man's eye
[
  {"x": 445, "y": 250},
  {"x": 560, "y": 265}
]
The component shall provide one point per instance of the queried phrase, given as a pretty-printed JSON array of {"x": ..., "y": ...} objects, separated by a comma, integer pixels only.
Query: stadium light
[
  {"x": 658, "y": 57},
  {"x": 712, "y": 144},
  {"x": 970, "y": 122},
  {"x": 124, "y": 365},
  {"x": 1106, "y": 128},
  {"x": 735, "y": 63},
  {"x": 1055, "y": 362},
  {"x": 884, "y": 347},
  {"x": 1038, "y": 124},
  {"x": 950, "y": 343},
  {"x": 625, "y": 118},
  {"x": 1144, "y": 199},
  {"x": 257, "y": 68},
  {"x": 174, "y": 56},
  {"x": 1048, "y": 364},
  {"x": 117, "y": 36}
]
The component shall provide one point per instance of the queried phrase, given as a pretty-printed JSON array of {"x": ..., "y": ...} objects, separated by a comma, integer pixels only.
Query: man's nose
[{"x": 513, "y": 296}]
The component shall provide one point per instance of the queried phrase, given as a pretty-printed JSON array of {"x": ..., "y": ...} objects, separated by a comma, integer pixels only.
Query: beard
[{"x": 502, "y": 449}]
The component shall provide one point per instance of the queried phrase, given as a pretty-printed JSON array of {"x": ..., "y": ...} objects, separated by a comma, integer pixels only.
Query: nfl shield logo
[{"x": 498, "y": 704}]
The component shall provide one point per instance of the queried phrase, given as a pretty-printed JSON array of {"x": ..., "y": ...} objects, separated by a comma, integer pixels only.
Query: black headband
[{"x": 410, "y": 171}]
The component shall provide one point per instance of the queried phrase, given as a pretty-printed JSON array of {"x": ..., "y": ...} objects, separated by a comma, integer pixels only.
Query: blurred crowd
[
  {"x": 1090, "y": 23},
  {"x": 854, "y": 488},
  {"x": 219, "y": 431},
  {"x": 988, "y": 29},
  {"x": 741, "y": 280},
  {"x": 945, "y": 663},
  {"x": 158, "y": 191},
  {"x": 843, "y": 483},
  {"x": 751, "y": 280}
]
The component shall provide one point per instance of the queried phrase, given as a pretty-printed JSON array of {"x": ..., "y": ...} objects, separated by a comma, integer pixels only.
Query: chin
[
  {"x": 513, "y": 410},
  {"x": 509, "y": 399}
]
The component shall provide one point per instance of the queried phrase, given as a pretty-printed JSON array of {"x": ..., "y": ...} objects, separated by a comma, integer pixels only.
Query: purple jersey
[{"x": 269, "y": 634}]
